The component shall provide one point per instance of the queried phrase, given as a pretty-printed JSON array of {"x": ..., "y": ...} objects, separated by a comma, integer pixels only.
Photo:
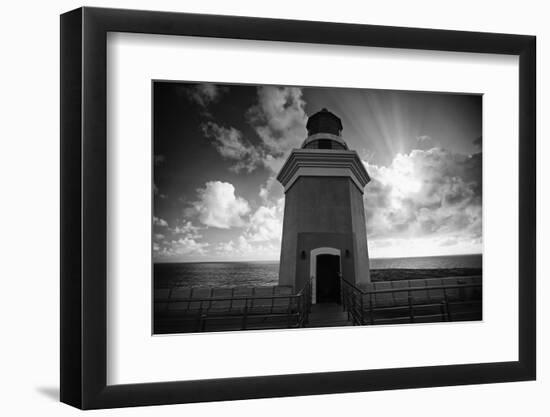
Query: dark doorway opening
[{"x": 328, "y": 280}]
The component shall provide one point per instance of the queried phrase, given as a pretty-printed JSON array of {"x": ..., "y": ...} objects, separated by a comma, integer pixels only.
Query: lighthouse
[{"x": 324, "y": 228}]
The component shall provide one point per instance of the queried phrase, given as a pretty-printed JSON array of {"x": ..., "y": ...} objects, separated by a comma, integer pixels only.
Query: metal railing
[
  {"x": 198, "y": 314},
  {"x": 361, "y": 305}
]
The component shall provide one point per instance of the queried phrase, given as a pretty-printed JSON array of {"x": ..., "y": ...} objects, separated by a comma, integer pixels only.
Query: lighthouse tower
[{"x": 324, "y": 229}]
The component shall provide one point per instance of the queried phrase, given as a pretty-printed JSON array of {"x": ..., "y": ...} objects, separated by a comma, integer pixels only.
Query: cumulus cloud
[
  {"x": 157, "y": 221},
  {"x": 180, "y": 247},
  {"x": 425, "y": 142},
  {"x": 218, "y": 206},
  {"x": 187, "y": 229},
  {"x": 266, "y": 224},
  {"x": 243, "y": 249},
  {"x": 157, "y": 192},
  {"x": 426, "y": 193},
  {"x": 180, "y": 241},
  {"x": 261, "y": 237},
  {"x": 271, "y": 191},
  {"x": 231, "y": 145},
  {"x": 423, "y": 246},
  {"x": 205, "y": 93},
  {"x": 279, "y": 119},
  {"x": 187, "y": 245}
]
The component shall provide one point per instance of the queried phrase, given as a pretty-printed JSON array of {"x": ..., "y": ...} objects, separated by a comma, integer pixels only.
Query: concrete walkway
[{"x": 328, "y": 315}]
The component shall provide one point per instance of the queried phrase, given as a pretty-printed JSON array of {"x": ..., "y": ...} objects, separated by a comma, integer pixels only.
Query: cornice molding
[{"x": 323, "y": 163}]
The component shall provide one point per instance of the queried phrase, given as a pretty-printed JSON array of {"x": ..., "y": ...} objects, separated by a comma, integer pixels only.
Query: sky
[{"x": 218, "y": 149}]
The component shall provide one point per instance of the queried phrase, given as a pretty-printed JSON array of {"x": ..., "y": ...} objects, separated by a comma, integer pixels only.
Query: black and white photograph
[
  {"x": 271, "y": 209},
  {"x": 284, "y": 207}
]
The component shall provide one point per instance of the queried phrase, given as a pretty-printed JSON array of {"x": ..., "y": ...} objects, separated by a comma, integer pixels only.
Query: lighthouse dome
[{"x": 324, "y": 131}]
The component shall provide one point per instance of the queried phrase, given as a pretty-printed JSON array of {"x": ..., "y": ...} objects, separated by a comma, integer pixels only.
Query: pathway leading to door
[{"x": 328, "y": 315}]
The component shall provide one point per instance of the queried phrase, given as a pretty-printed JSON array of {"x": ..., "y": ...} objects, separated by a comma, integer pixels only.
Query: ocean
[
  {"x": 429, "y": 262},
  {"x": 253, "y": 274}
]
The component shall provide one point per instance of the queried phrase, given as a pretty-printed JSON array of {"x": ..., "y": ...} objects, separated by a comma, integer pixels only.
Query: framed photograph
[{"x": 257, "y": 208}]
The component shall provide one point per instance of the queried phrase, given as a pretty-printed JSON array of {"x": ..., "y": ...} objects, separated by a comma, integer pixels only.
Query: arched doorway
[
  {"x": 328, "y": 280},
  {"x": 324, "y": 271}
]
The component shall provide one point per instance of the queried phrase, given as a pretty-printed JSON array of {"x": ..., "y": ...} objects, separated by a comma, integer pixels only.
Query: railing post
[
  {"x": 461, "y": 291},
  {"x": 245, "y": 313},
  {"x": 353, "y": 311},
  {"x": 190, "y": 297},
  {"x": 300, "y": 309},
  {"x": 371, "y": 308},
  {"x": 349, "y": 305},
  {"x": 345, "y": 297},
  {"x": 347, "y": 302},
  {"x": 341, "y": 289},
  {"x": 411, "y": 313},
  {"x": 449, "y": 318},
  {"x": 308, "y": 300},
  {"x": 356, "y": 308},
  {"x": 289, "y": 311},
  {"x": 199, "y": 318},
  {"x": 362, "y": 310},
  {"x": 169, "y": 298},
  {"x": 304, "y": 307}
]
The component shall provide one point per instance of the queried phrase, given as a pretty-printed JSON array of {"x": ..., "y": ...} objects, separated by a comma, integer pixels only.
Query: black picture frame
[{"x": 83, "y": 207}]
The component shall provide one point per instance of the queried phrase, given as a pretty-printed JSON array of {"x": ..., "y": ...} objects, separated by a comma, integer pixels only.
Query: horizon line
[{"x": 278, "y": 260}]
